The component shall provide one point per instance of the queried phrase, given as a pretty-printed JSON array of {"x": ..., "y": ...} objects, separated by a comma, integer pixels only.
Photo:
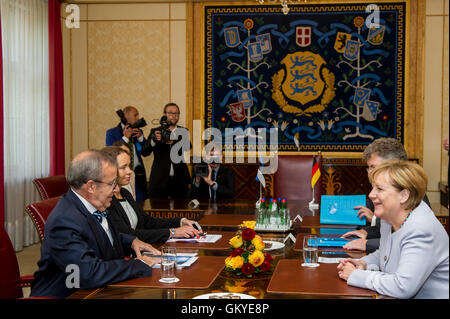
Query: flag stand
[
  {"x": 312, "y": 204},
  {"x": 260, "y": 191}
]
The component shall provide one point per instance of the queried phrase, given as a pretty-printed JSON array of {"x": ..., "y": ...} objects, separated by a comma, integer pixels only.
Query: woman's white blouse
[{"x": 132, "y": 217}]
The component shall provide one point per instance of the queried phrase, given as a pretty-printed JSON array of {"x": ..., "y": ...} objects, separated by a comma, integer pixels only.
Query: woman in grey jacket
[{"x": 413, "y": 258}]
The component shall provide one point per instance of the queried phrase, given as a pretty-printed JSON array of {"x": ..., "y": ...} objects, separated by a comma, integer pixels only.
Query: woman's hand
[
  {"x": 188, "y": 222},
  {"x": 186, "y": 232},
  {"x": 347, "y": 266}
]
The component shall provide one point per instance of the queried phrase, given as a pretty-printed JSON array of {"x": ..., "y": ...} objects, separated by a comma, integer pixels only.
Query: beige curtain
[{"x": 26, "y": 114}]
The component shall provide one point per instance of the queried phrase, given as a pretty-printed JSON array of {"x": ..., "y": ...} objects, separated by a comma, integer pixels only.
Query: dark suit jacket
[
  {"x": 74, "y": 237},
  {"x": 160, "y": 184},
  {"x": 148, "y": 228},
  {"x": 225, "y": 185},
  {"x": 373, "y": 232},
  {"x": 115, "y": 134}
]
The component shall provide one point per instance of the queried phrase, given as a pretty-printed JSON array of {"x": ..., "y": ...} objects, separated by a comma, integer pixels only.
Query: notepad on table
[
  {"x": 339, "y": 209},
  {"x": 203, "y": 239}
]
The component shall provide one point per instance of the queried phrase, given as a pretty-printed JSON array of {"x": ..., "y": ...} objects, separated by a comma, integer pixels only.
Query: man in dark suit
[
  {"x": 135, "y": 139},
  {"x": 81, "y": 248},
  {"x": 219, "y": 184},
  {"x": 168, "y": 178},
  {"x": 375, "y": 154}
]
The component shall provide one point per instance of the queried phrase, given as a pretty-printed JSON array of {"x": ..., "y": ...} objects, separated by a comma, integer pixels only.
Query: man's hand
[
  {"x": 358, "y": 244},
  {"x": 138, "y": 246},
  {"x": 127, "y": 131},
  {"x": 361, "y": 233},
  {"x": 150, "y": 261},
  {"x": 137, "y": 132},
  {"x": 364, "y": 211},
  {"x": 208, "y": 179},
  {"x": 157, "y": 135}
]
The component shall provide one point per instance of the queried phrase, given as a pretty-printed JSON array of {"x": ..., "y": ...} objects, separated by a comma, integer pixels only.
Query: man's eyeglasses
[
  {"x": 173, "y": 113},
  {"x": 112, "y": 184}
]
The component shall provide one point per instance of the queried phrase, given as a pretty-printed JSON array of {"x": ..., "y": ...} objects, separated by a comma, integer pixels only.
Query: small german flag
[{"x": 315, "y": 172}]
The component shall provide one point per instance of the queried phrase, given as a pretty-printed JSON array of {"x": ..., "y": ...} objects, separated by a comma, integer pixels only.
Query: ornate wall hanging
[{"x": 330, "y": 77}]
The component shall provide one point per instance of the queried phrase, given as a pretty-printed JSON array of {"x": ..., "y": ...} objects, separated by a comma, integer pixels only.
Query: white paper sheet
[{"x": 204, "y": 239}]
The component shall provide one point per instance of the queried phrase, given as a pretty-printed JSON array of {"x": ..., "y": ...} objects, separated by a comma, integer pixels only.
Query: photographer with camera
[
  {"x": 168, "y": 179},
  {"x": 210, "y": 180},
  {"x": 129, "y": 131}
]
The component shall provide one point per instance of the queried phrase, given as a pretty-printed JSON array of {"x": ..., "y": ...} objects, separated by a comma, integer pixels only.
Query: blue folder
[
  {"x": 338, "y": 209},
  {"x": 329, "y": 242}
]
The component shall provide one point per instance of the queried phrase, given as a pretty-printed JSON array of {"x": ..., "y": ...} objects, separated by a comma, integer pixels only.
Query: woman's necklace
[{"x": 403, "y": 222}]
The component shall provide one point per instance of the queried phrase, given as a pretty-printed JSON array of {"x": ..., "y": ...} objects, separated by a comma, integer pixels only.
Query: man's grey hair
[
  {"x": 387, "y": 148},
  {"x": 88, "y": 166}
]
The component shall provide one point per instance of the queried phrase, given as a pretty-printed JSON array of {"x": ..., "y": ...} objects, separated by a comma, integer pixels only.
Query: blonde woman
[{"x": 413, "y": 258}]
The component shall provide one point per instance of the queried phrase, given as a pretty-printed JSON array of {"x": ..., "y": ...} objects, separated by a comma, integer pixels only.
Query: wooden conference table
[{"x": 287, "y": 279}]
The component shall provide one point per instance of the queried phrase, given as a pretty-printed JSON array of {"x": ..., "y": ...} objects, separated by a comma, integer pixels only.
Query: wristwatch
[{"x": 172, "y": 232}]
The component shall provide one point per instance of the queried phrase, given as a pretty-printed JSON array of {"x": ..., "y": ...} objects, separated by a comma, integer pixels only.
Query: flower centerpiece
[{"x": 247, "y": 257}]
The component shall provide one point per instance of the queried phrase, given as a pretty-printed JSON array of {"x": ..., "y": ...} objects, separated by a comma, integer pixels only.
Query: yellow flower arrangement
[{"x": 247, "y": 256}]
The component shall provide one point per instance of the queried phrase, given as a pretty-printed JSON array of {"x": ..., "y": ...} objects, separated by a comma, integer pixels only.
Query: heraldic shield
[{"x": 303, "y": 82}]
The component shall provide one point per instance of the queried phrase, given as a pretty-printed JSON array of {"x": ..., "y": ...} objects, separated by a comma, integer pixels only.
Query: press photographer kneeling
[{"x": 211, "y": 180}]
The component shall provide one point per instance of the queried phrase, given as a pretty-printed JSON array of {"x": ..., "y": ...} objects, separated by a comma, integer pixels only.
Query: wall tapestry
[{"x": 330, "y": 77}]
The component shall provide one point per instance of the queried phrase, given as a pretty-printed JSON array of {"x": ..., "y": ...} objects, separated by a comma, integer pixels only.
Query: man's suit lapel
[{"x": 104, "y": 245}]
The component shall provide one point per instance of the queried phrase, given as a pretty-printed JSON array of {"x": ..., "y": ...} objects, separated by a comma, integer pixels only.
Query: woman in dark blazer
[{"x": 129, "y": 218}]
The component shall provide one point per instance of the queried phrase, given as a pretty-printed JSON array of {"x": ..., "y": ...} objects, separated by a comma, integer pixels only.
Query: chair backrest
[
  {"x": 51, "y": 186},
  {"x": 292, "y": 180},
  {"x": 39, "y": 213},
  {"x": 9, "y": 269}
]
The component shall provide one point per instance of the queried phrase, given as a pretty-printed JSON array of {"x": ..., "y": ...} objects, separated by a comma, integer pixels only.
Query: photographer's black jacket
[{"x": 161, "y": 185}]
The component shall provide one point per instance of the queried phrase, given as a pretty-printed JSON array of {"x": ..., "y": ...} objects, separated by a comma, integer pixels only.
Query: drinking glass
[
  {"x": 168, "y": 264},
  {"x": 310, "y": 251}
]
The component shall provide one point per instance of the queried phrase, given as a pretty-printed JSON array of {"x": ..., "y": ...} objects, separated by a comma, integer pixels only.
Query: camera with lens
[
  {"x": 139, "y": 123},
  {"x": 164, "y": 129},
  {"x": 201, "y": 169}
]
